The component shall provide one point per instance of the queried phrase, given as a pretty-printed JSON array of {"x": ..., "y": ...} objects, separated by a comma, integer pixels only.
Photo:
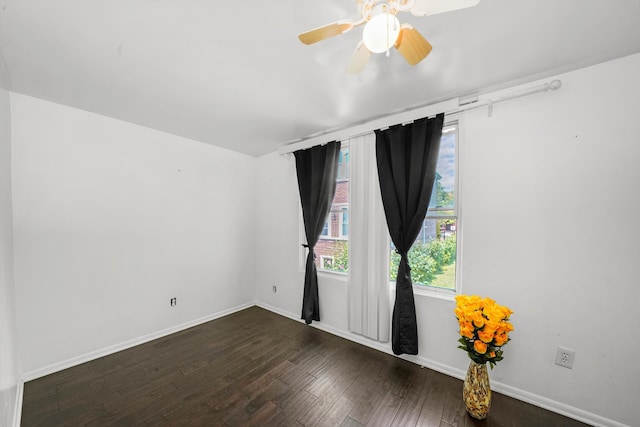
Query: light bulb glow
[{"x": 381, "y": 32}]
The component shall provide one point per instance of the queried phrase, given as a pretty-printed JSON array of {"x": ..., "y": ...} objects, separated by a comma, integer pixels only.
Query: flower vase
[{"x": 476, "y": 391}]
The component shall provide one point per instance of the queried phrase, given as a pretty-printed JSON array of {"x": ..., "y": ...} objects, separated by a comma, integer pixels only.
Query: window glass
[
  {"x": 344, "y": 223},
  {"x": 332, "y": 249},
  {"x": 325, "y": 229},
  {"x": 343, "y": 163},
  {"x": 433, "y": 255}
]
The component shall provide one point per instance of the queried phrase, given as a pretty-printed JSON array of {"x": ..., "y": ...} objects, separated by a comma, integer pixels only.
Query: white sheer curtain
[{"x": 369, "y": 303}]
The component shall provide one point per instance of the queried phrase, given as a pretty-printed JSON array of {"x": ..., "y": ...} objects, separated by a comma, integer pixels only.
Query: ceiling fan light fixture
[{"x": 381, "y": 32}]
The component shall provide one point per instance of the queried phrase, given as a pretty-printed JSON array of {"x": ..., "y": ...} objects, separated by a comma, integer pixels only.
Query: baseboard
[
  {"x": 17, "y": 414},
  {"x": 555, "y": 406},
  {"x": 534, "y": 399},
  {"x": 56, "y": 367}
]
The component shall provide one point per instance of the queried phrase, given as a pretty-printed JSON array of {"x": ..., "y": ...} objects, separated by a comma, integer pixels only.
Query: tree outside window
[{"x": 433, "y": 255}]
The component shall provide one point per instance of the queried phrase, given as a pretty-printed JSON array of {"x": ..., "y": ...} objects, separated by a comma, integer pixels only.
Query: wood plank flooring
[{"x": 256, "y": 368}]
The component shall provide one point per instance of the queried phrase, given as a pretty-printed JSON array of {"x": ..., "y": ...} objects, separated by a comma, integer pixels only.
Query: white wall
[
  {"x": 549, "y": 193},
  {"x": 111, "y": 220},
  {"x": 8, "y": 350}
]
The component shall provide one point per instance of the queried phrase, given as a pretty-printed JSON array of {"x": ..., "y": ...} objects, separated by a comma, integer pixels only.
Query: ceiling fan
[{"x": 382, "y": 29}]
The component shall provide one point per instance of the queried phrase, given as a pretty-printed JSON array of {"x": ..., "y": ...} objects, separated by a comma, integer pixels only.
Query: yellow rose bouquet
[{"x": 484, "y": 328}]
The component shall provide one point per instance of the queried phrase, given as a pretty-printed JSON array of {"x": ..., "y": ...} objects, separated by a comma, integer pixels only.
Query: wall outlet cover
[{"x": 565, "y": 357}]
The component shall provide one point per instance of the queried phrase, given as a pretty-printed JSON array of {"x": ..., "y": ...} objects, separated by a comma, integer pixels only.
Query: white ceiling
[{"x": 233, "y": 73}]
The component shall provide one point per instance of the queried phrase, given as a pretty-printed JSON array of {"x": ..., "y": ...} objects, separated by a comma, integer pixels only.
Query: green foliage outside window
[
  {"x": 340, "y": 258},
  {"x": 427, "y": 260}
]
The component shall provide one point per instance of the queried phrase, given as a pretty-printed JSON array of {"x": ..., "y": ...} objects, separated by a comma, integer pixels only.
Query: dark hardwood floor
[{"x": 256, "y": 368}]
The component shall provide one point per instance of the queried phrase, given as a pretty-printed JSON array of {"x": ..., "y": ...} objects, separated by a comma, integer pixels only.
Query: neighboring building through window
[
  {"x": 433, "y": 255},
  {"x": 325, "y": 229},
  {"x": 332, "y": 247},
  {"x": 343, "y": 163},
  {"x": 326, "y": 262},
  {"x": 344, "y": 223}
]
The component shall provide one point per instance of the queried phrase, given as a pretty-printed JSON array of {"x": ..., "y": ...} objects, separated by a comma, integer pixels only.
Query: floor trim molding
[
  {"x": 59, "y": 366},
  {"x": 17, "y": 414},
  {"x": 516, "y": 393}
]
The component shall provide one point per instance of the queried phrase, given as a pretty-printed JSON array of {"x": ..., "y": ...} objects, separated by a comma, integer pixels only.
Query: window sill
[
  {"x": 444, "y": 294},
  {"x": 333, "y": 275},
  {"x": 424, "y": 291}
]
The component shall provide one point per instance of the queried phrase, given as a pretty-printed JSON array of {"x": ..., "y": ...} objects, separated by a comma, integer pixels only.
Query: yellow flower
[
  {"x": 501, "y": 339},
  {"x": 483, "y": 323},
  {"x": 485, "y": 336},
  {"x": 488, "y": 301},
  {"x": 491, "y": 326},
  {"x": 493, "y": 313},
  {"x": 466, "y": 330},
  {"x": 479, "y": 346},
  {"x": 469, "y": 315},
  {"x": 478, "y": 319},
  {"x": 468, "y": 304}
]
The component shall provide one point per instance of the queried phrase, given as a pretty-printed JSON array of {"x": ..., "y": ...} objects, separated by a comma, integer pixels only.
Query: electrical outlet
[
  {"x": 275, "y": 289},
  {"x": 565, "y": 357},
  {"x": 174, "y": 301}
]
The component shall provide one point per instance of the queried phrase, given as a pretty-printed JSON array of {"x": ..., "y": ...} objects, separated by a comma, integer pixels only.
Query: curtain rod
[
  {"x": 473, "y": 103},
  {"x": 456, "y": 105}
]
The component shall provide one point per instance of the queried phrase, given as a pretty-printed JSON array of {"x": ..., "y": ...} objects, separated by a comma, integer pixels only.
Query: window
[
  {"x": 343, "y": 163},
  {"x": 344, "y": 222},
  {"x": 433, "y": 255},
  {"x": 332, "y": 253},
  {"x": 325, "y": 229},
  {"x": 326, "y": 262}
]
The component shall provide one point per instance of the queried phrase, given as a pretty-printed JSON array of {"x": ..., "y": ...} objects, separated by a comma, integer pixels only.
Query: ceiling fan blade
[
  {"x": 321, "y": 33},
  {"x": 359, "y": 59},
  {"x": 433, "y": 7},
  {"x": 412, "y": 45}
]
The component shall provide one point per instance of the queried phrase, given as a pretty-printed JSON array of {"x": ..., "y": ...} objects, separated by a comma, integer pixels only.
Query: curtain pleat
[
  {"x": 368, "y": 283},
  {"x": 407, "y": 157},
  {"x": 316, "y": 169}
]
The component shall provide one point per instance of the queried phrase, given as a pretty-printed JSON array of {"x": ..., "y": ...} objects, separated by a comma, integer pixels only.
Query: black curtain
[
  {"x": 407, "y": 157},
  {"x": 316, "y": 168}
]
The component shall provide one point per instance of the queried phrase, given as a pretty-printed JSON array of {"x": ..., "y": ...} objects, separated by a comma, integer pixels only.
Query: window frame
[
  {"x": 324, "y": 258},
  {"x": 327, "y": 223},
  {"x": 343, "y": 223},
  {"x": 419, "y": 289},
  {"x": 336, "y": 209},
  {"x": 341, "y": 209},
  {"x": 428, "y": 290}
]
